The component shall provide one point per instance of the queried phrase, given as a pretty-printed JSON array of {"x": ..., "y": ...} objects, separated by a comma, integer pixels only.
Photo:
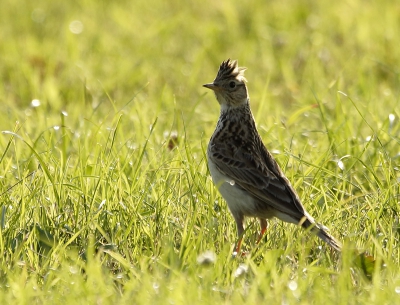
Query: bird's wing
[{"x": 259, "y": 174}]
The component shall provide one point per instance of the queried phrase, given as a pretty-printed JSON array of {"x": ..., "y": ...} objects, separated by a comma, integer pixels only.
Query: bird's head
[{"x": 230, "y": 85}]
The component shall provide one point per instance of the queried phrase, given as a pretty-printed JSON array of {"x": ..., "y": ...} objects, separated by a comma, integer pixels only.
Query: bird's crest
[{"x": 229, "y": 69}]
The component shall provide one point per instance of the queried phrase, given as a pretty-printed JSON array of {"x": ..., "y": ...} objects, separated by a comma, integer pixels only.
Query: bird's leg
[
  {"x": 238, "y": 246},
  {"x": 264, "y": 226},
  {"x": 240, "y": 230}
]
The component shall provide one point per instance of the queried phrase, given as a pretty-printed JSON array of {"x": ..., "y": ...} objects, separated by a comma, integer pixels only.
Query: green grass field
[{"x": 105, "y": 195}]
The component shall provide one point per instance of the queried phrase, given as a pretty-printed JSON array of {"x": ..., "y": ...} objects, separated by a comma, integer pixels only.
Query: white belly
[{"x": 238, "y": 200}]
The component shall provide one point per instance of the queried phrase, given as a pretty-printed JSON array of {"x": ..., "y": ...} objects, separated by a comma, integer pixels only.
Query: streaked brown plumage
[{"x": 244, "y": 171}]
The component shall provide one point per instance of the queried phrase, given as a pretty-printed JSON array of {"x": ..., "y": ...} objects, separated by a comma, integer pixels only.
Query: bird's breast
[{"x": 238, "y": 200}]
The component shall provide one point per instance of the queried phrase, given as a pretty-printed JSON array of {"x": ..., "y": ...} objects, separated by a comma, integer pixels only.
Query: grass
[{"x": 105, "y": 195}]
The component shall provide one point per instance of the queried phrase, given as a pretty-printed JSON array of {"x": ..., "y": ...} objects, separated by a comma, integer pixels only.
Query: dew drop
[
  {"x": 292, "y": 285},
  {"x": 28, "y": 112},
  {"x": 73, "y": 269},
  {"x": 156, "y": 286},
  {"x": 232, "y": 182},
  {"x": 242, "y": 269},
  {"x": 76, "y": 27},
  {"x": 35, "y": 103}
]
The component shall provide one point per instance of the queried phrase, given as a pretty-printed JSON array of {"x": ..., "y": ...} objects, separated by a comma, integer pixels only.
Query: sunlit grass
[{"x": 105, "y": 195}]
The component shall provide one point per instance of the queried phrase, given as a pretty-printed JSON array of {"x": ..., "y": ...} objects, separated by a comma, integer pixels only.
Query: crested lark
[{"x": 246, "y": 174}]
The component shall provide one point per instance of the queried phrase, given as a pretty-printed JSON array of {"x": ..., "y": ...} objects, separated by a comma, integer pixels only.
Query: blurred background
[{"x": 86, "y": 57}]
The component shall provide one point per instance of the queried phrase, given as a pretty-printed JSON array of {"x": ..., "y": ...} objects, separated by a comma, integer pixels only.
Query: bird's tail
[
  {"x": 329, "y": 239},
  {"x": 322, "y": 232}
]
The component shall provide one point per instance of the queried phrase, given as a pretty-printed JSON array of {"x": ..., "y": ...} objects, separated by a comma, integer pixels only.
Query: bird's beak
[{"x": 211, "y": 86}]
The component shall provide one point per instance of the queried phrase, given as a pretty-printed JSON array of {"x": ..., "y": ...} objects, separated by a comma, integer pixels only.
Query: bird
[{"x": 244, "y": 171}]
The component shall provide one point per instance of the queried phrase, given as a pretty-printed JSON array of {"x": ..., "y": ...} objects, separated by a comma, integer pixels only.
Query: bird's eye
[{"x": 232, "y": 84}]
